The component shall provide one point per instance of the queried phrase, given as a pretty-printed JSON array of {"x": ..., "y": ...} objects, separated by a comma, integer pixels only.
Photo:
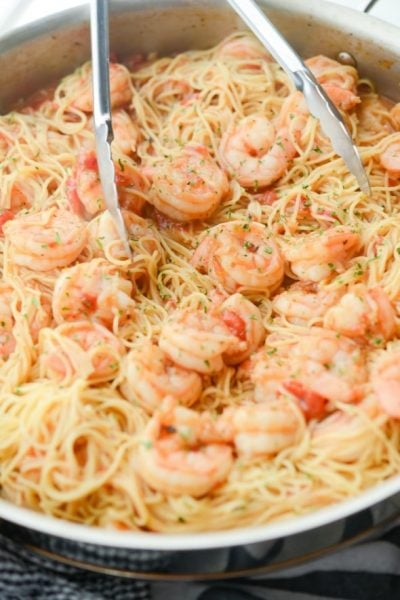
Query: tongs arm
[
  {"x": 317, "y": 100},
  {"x": 102, "y": 112}
]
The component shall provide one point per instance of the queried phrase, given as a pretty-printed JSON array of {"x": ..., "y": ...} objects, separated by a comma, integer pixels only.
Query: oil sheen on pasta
[{"x": 245, "y": 365}]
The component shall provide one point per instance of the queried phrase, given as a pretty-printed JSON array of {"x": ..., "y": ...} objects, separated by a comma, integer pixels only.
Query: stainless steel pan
[{"x": 37, "y": 55}]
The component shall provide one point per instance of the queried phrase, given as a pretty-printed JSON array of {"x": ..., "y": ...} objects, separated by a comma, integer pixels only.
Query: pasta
[{"x": 244, "y": 365}]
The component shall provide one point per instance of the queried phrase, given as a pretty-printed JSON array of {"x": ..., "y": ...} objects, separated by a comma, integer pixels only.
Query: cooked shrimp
[
  {"x": 197, "y": 341},
  {"x": 22, "y": 194},
  {"x": 274, "y": 380},
  {"x": 390, "y": 159},
  {"x": 104, "y": 239},
  {"x": 84, "y": 190},
  {"x": 190, "y": 186},
  {"x": 244, "y": 320},
  {"x": 264, "y": 429},
  {"x": 321, "y": 366},
  {"x": 255, "y": 153},
  {"x": 126, "y": 133},
  {"x": 331, "y": 366},
  {"x": 242, "y": 48},
  {"x": 339, "y": 81},
  {"x": 363, "y": 313},
  {"x": 148, "y": 377},
  {"x": 240, "y": 255},
  {"x": 345, "y": 437},
  {"x": 304, "y": 302},
  {"x": 120, "y": 89},
  {"x": 319, "y": 255},
  {"x": 175, "y": 456},
  {"x": 95, "y": 291},
  {"x": 79, "y": 350},
  {"x": 293, "y": 106},
  {"x": 385, "y": 381},
  {"x": 344, "y": 99},
  {"x": 47, "y": 240},
  {"x": 36, "y": 309}
]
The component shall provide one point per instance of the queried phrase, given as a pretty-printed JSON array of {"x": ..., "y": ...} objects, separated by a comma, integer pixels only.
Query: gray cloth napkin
[{"x": 369, "y": 571}]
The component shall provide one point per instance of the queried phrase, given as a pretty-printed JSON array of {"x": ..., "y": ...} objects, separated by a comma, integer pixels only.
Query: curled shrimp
[
  {"x": 365, "y": 314},
  {"x": 390, "y": 159},
  {"x": 104, "y": 239},
  {"x": 79, "y": 350},
  {"x": 319, "y": 255},
  {"x": 47, "y": 240},
  {"x": 84, "y": 190},
  {"x": 304, "y": 302},
  {"x": 330, "y": 365},
  {"x": 242, "y": 48},
  {"x": 240, "y": 255},
  {"x": 339, "y": 81},
  {"x": 275, "y": 379},
  {"x": 148, "y": 376},
  {"x": 176, "y": 456},
  {"x": 347, "y": 437},
  {"x": 244, "y": 320},
  {"x": 197, "y": 341},
  {"x": 255, "y": 153},
  {"x": 293, "y": 112},
  {"x": 120, "y": 88},
  {"x": 189, "y": 186},
  {"x": 95, "y": 291},
  {"x": 126, "y": 133},
  {"x": 385, "y": 380},
  {"x": 264, "y": 429},
  {"x": 320, "y": 367}
]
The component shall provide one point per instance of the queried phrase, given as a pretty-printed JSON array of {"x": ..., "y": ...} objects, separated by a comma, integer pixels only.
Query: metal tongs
[
  {"x": 102, "y": 113},
  {"x": 317, "y": 100}
]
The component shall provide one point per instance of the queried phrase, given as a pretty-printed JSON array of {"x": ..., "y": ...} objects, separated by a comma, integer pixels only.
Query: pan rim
[{"x": 139, "y": 540}]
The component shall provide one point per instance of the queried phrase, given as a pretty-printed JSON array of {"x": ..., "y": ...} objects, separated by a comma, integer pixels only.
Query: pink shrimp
[
  {"x": 176, "y": 455},
  {"x": 240, "y": 255},
  {"x": 254, "y": 152},
  {"x": 190, "y": 186},
  {"x": 319, "y": 255},
  {"x": 390, "y": 159},
  {"x": 364, "y": 314},
  {"x": 85, "y": 193},
  {"x": 79, "y": 350},
  {"x": 47, "y": 240},
  {"x": 339, "y": 81},
  {"x": 120, "y": 88}
]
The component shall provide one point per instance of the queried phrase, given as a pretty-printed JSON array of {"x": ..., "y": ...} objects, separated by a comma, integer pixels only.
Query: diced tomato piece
[
  {"x": 312, "y": 404},
  {"x": 89, "y": 302},
  {"x": 234, "y": 323},
  {"x": 5, "y": 215},
  {"x": 88, "y": 160}
]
